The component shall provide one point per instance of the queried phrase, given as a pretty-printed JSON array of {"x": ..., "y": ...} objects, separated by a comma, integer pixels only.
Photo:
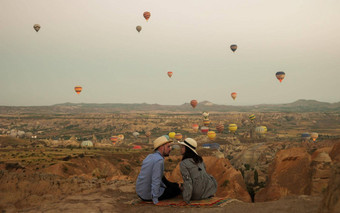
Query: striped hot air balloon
[
  {"x": 206, "y": 122},
  {"x": 78, "y": 89},
  {"x": 195, "y": 127},
  {"x": 280, "y": 76},
  {"x": 121, "y": 137},
  {"x": 146, "y": 15},
  {"x": 260, "y": 130},
  {"x": 178, "y": 136},
  {"x": 220, "y": 128},
  {"x": 205, "y": 115},
  {"x": 204, "y": 130},
  {"x": 211, "y": 135},
  {"x": 252, "y": 117},
  {"x": 232, "y": 128},
  {"x": 233, "y": 47},
  {"x": 114, "y": 139}
]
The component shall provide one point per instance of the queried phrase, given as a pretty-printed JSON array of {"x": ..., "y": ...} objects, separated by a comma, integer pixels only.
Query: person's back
[{"x": 198, "y": 184}]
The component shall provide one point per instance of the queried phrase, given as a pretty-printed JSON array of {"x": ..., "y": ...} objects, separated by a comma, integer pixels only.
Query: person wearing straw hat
[
  {"x": 151, "y": 185},
  {"x": 198, "y": 184}
]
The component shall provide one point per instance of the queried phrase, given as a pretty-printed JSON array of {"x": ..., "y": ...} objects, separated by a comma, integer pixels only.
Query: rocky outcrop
[
  {"x": 230, "y": 181},
  {"x": 331, "y": 200},
  {"x": 290, "y": 174},
  {"x": 321, "y": 172}
]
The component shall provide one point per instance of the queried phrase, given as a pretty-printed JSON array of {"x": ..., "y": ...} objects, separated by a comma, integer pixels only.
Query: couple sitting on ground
[{"x": 152, "y": 185}]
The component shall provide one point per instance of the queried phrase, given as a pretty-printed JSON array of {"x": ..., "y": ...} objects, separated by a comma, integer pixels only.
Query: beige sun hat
[
  {"x": 190, "y": 143},
  {"x": 160, "y": 141}
]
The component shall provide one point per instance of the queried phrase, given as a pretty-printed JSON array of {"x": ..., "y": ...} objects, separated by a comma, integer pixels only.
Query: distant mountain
[{"x": 297, "y": 106}]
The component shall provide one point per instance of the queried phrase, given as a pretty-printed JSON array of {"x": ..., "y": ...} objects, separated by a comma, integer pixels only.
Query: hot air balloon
[
  {"x": 135, "y": 134},
  {"x": 136, "y": 147},
  {"x": 114, "y": 139},
  {"x": 252, "y": 117},
  {"x": 314, "y": 136},
  {"x": 36, "y": 27},
  {"x": 78, "y": 89},
  {"x": 220, "y": 128},
  {"x": 204, "y": 130},
  {"x": 170, "y": 74},
  {"x": 206, "y": 122},
  {"x": 147, "y": 134},
  {"x": 205, "y": 115},
  {"x": 305, "y": 136},
  {"x": 265, "y": 129},
  {"x": 260, "y": 130},
  {"x": 233, "y": 47},
  {"x": 178, "y": 136},
  {"x": 211, "y": 135},
  {"x": 146, "y": 15},
  {"x": 138, "y": 28},
  {"x": 232, "y": 128},
  {"x": 172, "y": 135},
  {"x": 193, "y": 103},
  {"x": 121, "y": 137},
  {"x": 195, "y": 127},
  {"x": 280, "y": 76},
  {"x": 234, "y": 95}
]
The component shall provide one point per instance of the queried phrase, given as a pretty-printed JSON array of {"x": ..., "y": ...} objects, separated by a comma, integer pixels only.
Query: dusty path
[{"x": 118, "y": 199}]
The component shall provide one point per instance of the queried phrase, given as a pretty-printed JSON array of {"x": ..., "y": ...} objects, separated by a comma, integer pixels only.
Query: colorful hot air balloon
[
  {"x": 220, "y": 128},
  {"x": 146, "y": 15},
  {"x": 135, "y": 134},
  {"x": 252, "y": 117},
  {"x": 193, "y": 103},
  {"x": 114, "y": 139},
  {"x": 314, "y": 136},
  {"x": 36, "y": 27},
  {"x": 211, "y": 135},
  {"x": 305, "y": 136},
  {"x": 234, "y": 95},
  {"x": 172, "y": 135},
  {"x": 260, "y": 130},
  {"x": 178, "y": 136},
  {"x": 233, "y": 47},
  {"x": 78, "y": 89},
  {"x": 205, "y": 115},
  {"x": 170, "y": 74},
  {"x": 232, "y": 128},
  {"x": 280, "y": 76},
  {"x": 138, "y": 28},
  {"x": 204, "y": 130},
  {"x": 195, "y": 127},
  {"x": 121, "y": 137},
  {"x": 206, "y": 122}
]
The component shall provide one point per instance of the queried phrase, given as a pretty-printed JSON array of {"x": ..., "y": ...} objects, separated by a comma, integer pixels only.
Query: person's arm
[
  {"x": 157, "y": 173},
  {"x": 187, "y": 185}
]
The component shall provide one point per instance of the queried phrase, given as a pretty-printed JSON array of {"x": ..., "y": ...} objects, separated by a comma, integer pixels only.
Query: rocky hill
[{"x": 297, "y": 106}]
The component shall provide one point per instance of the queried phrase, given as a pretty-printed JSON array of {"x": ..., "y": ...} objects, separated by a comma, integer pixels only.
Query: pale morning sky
[{"x": 94, "y": 44}]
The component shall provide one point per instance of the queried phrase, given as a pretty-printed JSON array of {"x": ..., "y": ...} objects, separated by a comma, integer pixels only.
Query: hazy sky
[{"x": 94, "y": 44}]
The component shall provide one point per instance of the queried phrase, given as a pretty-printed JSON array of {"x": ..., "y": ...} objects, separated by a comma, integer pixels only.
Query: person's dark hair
[{"x": 190, "y": 154}]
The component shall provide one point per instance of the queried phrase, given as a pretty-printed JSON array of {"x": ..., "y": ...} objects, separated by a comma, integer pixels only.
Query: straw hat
[
  {"x": 160, "y": 141},
  {"x": 190, "y": 143}
]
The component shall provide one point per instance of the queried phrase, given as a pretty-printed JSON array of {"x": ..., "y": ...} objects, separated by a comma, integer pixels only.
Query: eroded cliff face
[
  {"x": 331, "y": 200},
  {"x": 290, "y": 174}
]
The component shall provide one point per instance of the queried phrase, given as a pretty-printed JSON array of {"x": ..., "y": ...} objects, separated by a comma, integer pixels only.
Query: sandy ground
[{"x": 119, "y": 199}]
